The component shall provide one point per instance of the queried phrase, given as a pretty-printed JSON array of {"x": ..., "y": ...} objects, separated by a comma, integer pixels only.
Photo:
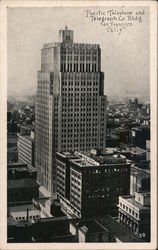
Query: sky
[{"x": 124, "y": 57}]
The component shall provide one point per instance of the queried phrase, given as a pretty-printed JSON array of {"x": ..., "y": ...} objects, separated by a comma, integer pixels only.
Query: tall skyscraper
[{"x": 70, "y": 103}]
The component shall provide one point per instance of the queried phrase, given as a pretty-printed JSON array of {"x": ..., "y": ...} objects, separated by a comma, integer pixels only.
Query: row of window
[
  {"x": 80, "y": 146},
  {"x": 76, "y": 58},
  {"x": 79, "y": 89},
  {"x": 80, "y": 51},
  {"x": 70, "y": 109},
  {"x": 129, "y": 210},
  {"x": 30, "y": 217},
  {"x": 80, "y": 77},
  {"x": 76, "y": 67},
  {"x": 67, "y": 115}
]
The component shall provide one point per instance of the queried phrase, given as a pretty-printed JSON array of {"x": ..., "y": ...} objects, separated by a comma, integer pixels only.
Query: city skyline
[{"x": 38, "y": 26}]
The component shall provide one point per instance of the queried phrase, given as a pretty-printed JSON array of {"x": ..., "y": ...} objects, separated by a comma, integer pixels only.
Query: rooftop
[
  {"x": 87, "y": 159},
  {"x": 27, "y": 137},
  {"x": 140, "y": 173},
  {"x": 41, "y": 201},
  {"x": 71, "y": 45},
  {"x": 145, "y": 194},
  {"x": 28, "y": 127},
  {"x": 22, "y": 208},
  {"x": 131, "y": 200},
  {"x": 18, "y": 169},
  {"x": 133, "y": 150},
  {"x": 89, "y": 226},
  {"x": 22, "y": 183},
  {"x": 118, "y": 230},
  {"x": 16, "y": 165}
]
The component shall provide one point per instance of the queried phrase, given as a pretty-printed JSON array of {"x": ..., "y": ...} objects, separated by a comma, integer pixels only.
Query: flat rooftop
[
  {"x": 67, "y": 155},
  {"x": 87, "y": 159},
  {"x": 132, "y": 201},
  {"x": 42, "y": 200},
  {"x": 84, "y": 45},
  {"x": 116, "y": 229},
  {"x": 28, "y": 127},
  {"x": 22, "y": 183},
  {"x": 140, "y": 173},
  {"x": 90, "y": 226},
  {"x": 22, "y": 208},
  {"x": 18, "y": 169},
  {"x": 27, "y": 137},
  {"x": 133, "y": 150},
  {"x": 16, "y": 165}
]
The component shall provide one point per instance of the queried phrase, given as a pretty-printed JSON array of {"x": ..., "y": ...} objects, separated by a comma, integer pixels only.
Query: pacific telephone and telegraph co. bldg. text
[{"x": 115, "y": 19}]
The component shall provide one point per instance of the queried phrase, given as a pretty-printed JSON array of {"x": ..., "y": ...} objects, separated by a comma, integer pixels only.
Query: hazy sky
[{"x": 125, "y": 57}]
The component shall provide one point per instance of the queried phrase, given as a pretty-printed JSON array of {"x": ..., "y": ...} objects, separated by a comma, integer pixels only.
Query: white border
[{"x": 3, "y": 135}]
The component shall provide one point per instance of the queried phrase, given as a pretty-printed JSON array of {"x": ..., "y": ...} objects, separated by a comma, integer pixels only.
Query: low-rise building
[
  {"x": 24, "y": 212},
  {"x": 69, "y": 230},
  {"x": 19, "y": 171},
  {"x": 21, "y": 183},
  {"x": 134, "y": 214},
  {"x": 21, "y": 190},
  {"x": 62, "y": 229}
]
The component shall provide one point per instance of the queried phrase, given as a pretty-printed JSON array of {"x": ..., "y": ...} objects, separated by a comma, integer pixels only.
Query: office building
[
  {"x": 89, "y": 184},
  {"x": 71, "y": 106},
  {"x": 134, "y": 214}
]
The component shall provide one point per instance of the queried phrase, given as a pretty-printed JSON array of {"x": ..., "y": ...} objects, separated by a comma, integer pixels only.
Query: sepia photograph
[{"x": 80, "y": 134}]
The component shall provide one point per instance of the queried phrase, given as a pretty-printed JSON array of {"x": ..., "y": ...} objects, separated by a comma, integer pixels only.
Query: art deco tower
[{"x": 70, "y": 103}]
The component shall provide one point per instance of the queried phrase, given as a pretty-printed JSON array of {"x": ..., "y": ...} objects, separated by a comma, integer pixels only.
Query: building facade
[
  {"x": 26, "y": 149},
  {"x": 90, "y": 185},
  {"x": 134, "y": 214},
  {"x": 21, "y": 184},
  {"x": 70, "y": 103},
  {"x": 139, "y": 180}
]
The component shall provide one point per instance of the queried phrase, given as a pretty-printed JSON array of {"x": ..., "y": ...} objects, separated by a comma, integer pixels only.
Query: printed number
[{"x": 142, "y": 235}]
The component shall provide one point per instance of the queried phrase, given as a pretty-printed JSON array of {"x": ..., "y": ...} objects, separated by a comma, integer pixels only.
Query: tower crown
[{"x": 66, "y": 35}]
